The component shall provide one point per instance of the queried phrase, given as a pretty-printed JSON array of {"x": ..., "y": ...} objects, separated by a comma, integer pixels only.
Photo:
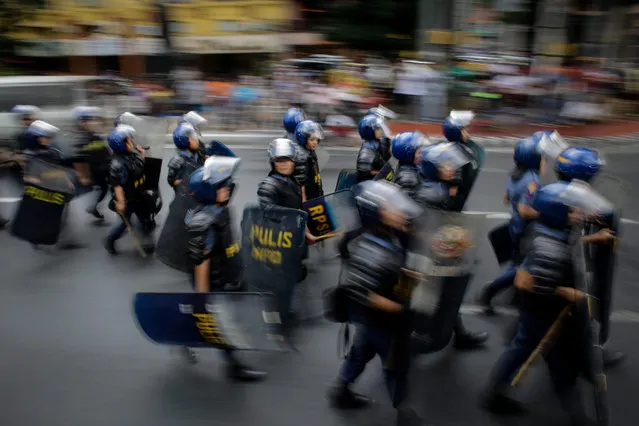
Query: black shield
[
  {"x": 207, "y": 320},
  {"x": 601, "y": 260},
  {"x": 502, "y": 243},
  {"x": 444, "y": 251},
  {"x": 152, "y": 171},
  {"x": 47, "y": 190},
  {"x": 346, "y": 180},
  {"x": 470, "y": 160},
  {"x": 172, "y": 246},
  {"x": 388, "y": 170},
  {"x": 332, "y": 214},
  {"x": 587, "y": 313},
  {"x": 600, "y": 211},
  {"x": 273, "y": 243}
]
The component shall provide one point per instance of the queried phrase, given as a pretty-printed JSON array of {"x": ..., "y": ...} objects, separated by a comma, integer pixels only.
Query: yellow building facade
[{"x": 130, "y": 29}]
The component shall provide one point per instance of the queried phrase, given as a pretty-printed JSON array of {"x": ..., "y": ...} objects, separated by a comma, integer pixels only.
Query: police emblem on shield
[{"x": 451, "y": 242}]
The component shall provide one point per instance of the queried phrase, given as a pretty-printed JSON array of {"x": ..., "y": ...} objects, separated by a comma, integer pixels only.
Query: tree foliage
[{"x": 383, "y": 26}]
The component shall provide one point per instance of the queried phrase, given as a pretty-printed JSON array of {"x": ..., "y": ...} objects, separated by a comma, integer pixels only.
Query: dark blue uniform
[
  {"x": 520, "y": 190},
  {"x": 549, "y": 264},
  {"x": 373, "y": 273}
]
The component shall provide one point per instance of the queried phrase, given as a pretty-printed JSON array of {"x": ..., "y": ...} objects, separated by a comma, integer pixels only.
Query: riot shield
[
  {"x": 332, "y": 214},
  {"x": 600, "y": 212},
  {"x": 172, "y": 246},
  {"x": 152, "y": 171},
  {"x": 47, "y": 190},
  {"x": 551, "y": 146},
  {"x": 219, "y": 149},
  {"x": 587, "y": 311},
  {"x": 273, "y": 246},
  {"x": 388, "y": 170},
  {"x": 322, "y": 157},
  {"x": 444, "y": 251},
  {"x": 346, "y": 180},
  {"x": 207, "y": 320},
  {"x": 150, "y": 130},
  {"x": 501, "y": 243}
]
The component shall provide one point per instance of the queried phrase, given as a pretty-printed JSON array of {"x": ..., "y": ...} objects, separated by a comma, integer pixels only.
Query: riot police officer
[
  {"x": 440, "y": 169},
  {"x": 39, "y": 144},
  {"x": 370, "y": 158},
  {"x": 280, "y": 188},
  {"x": 455, "y": 130},
  {"x": 188, "y": 158},
  {"x": 545, "y": 279},
  {"x": 308, "y": 134},
  {"x": 196, "y": 121},
  {"x": 209, "y": 230},
  {"x": 126, "y": 176},
  {"x": 377, "y": 305},
  {"x": 92, "y": 157},
  {"x": 385, "y": 142},
  {"x": 585, "y": 164},
  {"x": 524, "y": 181},
  {"x": 291, "y": 119},
  {"x": 25, "y": 115},
  {"x": 406, "y": 148}
]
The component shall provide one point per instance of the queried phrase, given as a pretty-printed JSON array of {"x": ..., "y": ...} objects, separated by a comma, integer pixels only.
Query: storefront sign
[{"x": 229, "y": 44}]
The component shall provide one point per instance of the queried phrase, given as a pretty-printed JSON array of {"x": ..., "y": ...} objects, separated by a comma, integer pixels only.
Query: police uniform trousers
[
  {"x": 507, "y": 278},
  {"x": 565, "y": 356},
  {"x": 229, "y": 352},
  {"x": 100, "y": 177},
  {"x": 393, "y": 350},
  {"x": 141, "y": 211}
]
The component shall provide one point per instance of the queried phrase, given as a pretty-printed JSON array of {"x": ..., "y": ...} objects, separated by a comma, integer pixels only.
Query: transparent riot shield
[
  {"x": 332, "y": 214},
  {"x": 47, "y": 190},
  {"x": 444, "y": 252},
  {"x": 551, "y": 146},
  {"x": 587, "y": 313},
  {"x": 150, "y": 130},
  {"x": 208, "y": 320},
  {"x": 599, "y": 212}
]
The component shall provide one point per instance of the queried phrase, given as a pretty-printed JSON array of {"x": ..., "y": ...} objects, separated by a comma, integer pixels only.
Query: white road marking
[
  {"x": 621, "y": 316},
  {"x": 9, "y": 199}
]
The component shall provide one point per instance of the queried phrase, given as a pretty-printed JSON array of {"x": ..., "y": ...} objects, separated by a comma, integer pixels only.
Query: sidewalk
[{"x": 617, "y": 128}]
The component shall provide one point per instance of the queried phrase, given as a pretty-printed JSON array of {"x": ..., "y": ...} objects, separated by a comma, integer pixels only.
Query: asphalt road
[{"x": 72, "y": 354}]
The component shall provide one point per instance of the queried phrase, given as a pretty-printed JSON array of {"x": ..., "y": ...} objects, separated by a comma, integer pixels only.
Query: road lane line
[
  {"x": 9, "y": 199},
  {"x": 620, "y": 316}
]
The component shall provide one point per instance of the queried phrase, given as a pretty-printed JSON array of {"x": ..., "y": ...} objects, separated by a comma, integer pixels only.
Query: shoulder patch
[{"x": 532, "y": 187}]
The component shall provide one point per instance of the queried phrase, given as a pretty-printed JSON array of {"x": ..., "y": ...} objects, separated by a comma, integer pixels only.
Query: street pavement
[{"x": 73, "y": 355}]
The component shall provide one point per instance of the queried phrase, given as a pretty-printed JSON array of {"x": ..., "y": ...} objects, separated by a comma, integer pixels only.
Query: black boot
[
  {"x": 485, "y": 300},
  {"x": 95, "y": 213},
  {"x": 408, "y": 417},
  {"x": 242, "y": 373},
  {"x": 499, "y": 403},
  {"x": 3, "y": 222},
  {"x": 109, "y": 245},
  {"x": 613, "y": 358},
  {"x": 343, "y": 398},
  {"x": 465, "y": 340}
]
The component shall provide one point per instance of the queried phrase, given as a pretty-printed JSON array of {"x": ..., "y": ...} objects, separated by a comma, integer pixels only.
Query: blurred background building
[{"x": 244, "y": 61}]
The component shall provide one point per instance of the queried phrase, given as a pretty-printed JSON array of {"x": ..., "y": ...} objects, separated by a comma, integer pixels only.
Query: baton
[
  {"x": 327, "y": 236},
  {"x": 550, "y": 334},
  {"x": 134, "y": 236}
]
